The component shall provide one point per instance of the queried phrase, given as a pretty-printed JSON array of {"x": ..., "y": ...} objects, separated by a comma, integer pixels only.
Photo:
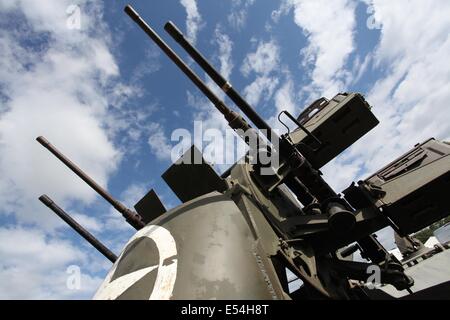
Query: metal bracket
[{"x": 292, "y": 118}]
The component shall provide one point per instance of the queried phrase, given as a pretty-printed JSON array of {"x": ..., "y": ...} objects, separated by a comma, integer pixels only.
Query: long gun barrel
[
  {"x": 131, "y": 217},
  {"x": 221, "y": 81},
  {"x": 287, "y": 151},
  {"x": 78, "y": 228},
  {"x": 233, "y": 118},
  {"x": 317, "y": 187}
]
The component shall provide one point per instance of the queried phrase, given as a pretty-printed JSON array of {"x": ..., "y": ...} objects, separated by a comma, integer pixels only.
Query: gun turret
[{"x": 294, "y": 164}]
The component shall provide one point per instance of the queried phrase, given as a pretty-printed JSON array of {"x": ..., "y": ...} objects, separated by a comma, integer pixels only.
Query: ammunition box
[
  {"x": 416, "y": 187},
  {"x": 337, "y": 123}
]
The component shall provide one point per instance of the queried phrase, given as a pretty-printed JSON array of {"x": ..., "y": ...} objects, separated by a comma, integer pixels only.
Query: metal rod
[
  {"x": 219, "y": 104},
  {"x": 226, "y": 86},
  {"x": 131, "y": 217},
  {"x": 290, "y": 116},
  {"x": 313, "y": 180},
  {"x": 316, "y": 183},
  {"x": 235, "y": 120},
  {"x": 78, "y": 228}
]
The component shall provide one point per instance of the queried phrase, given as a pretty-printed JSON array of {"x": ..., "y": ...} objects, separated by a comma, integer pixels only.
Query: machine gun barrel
[
  {"x": 226, "y": 86},
  {"x": 301, "y": 168},
  {"x": 131, "y": 217},
  {"x": 287, "y": 150},
  {"x": 78, "y": 228},
  {"x": 233, "y": 118}
]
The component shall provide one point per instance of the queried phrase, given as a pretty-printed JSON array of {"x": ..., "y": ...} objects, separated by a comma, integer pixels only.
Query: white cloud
[
  {"x": 223, "y": 58},
  {"x": 114, "y": 221},
  {"x": 148, "y": 65},
  {"x": 204, "y": 110},
  {"x": 34, "y": 266},
  {"x": 59, "y": 86},
  {"x": 284, "y": 99},
  {"x": 262, "y": 87},
  {"x": 410, "y": 100},
  {"x": 133, "y": 193},
  {"x": 358, "y": 69},
  {"x": 225, "y": 46},
  {"x": 194, "y": 19},
  {"x": 91, "y": 224},
  {"x": 329, "y": 28},
  {"x": 264, "y": 60},
  {"x": 411, "y": 97},
  {"x": 340, "y": 173},
  {"x": 159, "y": 143},
  {"x": 54, "y": 92},
  {"x": 239, "y": 11},
  {"x": 264, "y": 63}
]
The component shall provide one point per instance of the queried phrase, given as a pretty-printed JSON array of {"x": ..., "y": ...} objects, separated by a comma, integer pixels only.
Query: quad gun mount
[{"x": 235, "y": 234}]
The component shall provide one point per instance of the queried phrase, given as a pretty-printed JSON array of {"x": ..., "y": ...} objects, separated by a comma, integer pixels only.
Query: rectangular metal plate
[
  {"x": 191, "y": 176},
  {"x": 150, "y": 207}
]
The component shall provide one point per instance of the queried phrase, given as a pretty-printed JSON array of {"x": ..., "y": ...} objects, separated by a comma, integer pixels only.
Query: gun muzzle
[{"x": 132, "y": 13}]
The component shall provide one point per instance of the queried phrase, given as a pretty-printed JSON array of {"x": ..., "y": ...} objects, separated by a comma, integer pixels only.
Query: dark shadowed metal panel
[
  {"x": 191, "y": 176},
  {"x": 150, "y": 206}
]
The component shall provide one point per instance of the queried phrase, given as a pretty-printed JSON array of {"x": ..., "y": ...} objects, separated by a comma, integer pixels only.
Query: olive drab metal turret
[{"x": 235, "y": 234}]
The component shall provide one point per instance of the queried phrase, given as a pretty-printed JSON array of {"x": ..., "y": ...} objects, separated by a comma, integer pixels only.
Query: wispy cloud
[
  {"x": 159, "y": 143},
  {"x": 194, "y": 20},
  {"x": 205, "y": 112},
  {"x": 264, "y": 60},
  {"x": 225, "y": 48},
  {"x": 34, "y": 267},
  {"x": 149, "y": 64},
  {"x": 409, "y": 98},
  {"x": 329, "y": 27},
  {"x": 239, "y": 11},
  {"x": 60, "y": 85},
  {"x": 262, "y": 87},
  {"x": 263, "y": 63}
]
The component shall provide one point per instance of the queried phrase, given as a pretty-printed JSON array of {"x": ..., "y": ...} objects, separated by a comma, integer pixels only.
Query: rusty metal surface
[
  {"x": 131, "y": 217},
  {"x": 78, "y": 228}
]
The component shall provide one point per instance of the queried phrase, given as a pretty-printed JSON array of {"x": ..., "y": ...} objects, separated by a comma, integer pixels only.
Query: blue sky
[{"x": 107, "y": 97}]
